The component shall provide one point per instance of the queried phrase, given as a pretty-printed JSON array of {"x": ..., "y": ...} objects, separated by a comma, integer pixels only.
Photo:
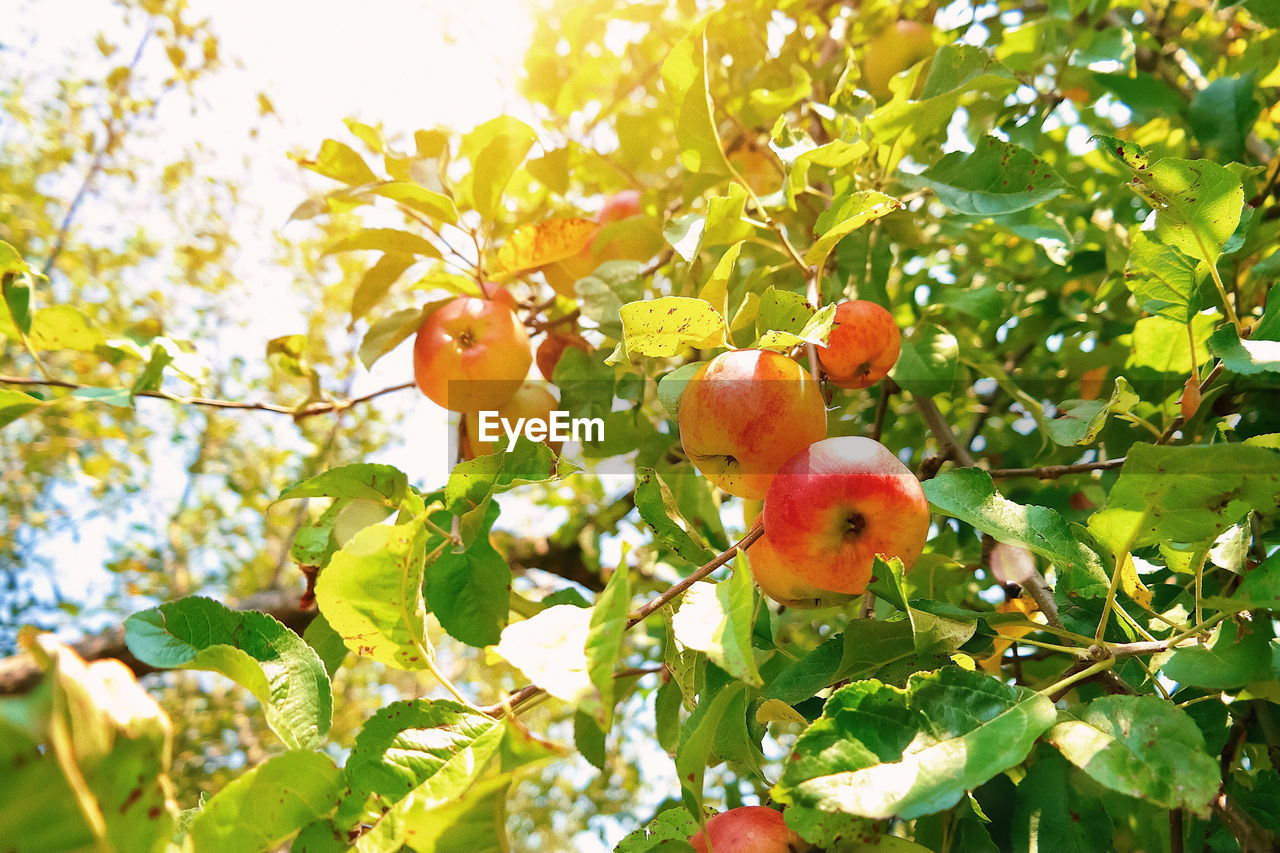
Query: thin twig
[
  {"x": 1052, "y": 472},
  {"x": 298, "y": 414},
  {"x": 942, "y": 430}
]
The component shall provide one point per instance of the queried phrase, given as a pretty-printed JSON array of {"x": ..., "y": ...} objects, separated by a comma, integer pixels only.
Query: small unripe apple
[
  {"x": 471, "y": 354},
  {"x": 748, "y": 829},
  {"x": 746, "y": 412},
  {"x": 551, "y": 350},
  {"x": 837, "y": 504},
  {"x": 863, "y": 346},
  {"x": 532, "y": 401},
  {"x": 894, "y": 50}
]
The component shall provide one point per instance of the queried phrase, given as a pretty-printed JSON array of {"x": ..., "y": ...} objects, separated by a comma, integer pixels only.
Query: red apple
[
  {"x": 894, "y": 50},
  {"x": 532, "y": 401},
  {"x": 837, "y": 504},
  {"x": 746, "y": 412},
  {"x": 863, "y": 346},
  {"x": 550, "y": 351},
  {"x": 784, "y": 581},
  {"x": 628, "y": 246},
  {"x": 471, "y": 354},
  {"x": 748, "y": 829},
  {"x": 619, "y": 206}
]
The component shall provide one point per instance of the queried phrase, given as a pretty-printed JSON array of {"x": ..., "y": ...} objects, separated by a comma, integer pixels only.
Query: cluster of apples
[
  {"x": 473, "y": 354},
  {"x": 754, "y": 423}
]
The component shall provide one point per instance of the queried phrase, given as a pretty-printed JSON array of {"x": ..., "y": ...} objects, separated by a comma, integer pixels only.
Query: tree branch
[
  {"x": 1052, "y": 472},
  {"x": 297, "y": 414}
]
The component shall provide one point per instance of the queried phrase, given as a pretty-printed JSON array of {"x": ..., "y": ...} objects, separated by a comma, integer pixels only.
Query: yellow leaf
[
  {"x": 531, "y": 246},
  {"x": 663, "y": 327}
]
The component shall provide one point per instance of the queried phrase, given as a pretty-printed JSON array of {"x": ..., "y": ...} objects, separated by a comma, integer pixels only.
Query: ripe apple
[
  {"x": 863, "y": 346},
  {"x": 746, "y": 412},
  {"x": 835, "y": 505},
  {"x": 758, "y": 167},
  {"x": 478, "y": 347},
  {"x": 550, "y": 350},
  {"x": 562, "y": 275},
  {"x": 783, "y": 581},
  {"x": 894, "y": 50},
  {"x": 748, "y": 829},
  {"x": 532, "y": 401}
]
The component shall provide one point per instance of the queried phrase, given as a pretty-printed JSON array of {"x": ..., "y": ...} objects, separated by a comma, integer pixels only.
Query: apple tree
[{"x": 1012, "y": 589}]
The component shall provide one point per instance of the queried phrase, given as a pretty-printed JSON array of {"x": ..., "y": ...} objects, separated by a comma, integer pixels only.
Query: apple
[
  {"x": 784, "y": 581},
  {"x": 748, "y": 829},
  {"x": 471, "y": 354},
  {"x": 746, "y": 412},
  {"x": 550, "y": 350},
  {"x": 758, "y": 167},
  {"x": 894, "y": 50},
  {"x": 863, "y": 346},
  {"x": 833, "y": 507},
  {"x": 532, "y": 401},
  {"x": 563, "y": 274}
]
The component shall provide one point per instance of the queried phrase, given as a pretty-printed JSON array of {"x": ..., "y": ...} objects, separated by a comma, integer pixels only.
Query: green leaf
[
  {"x": 715, "y": 292},
  {"x": 969, "y": 495},
  {"x": 467, "y": 590},
  {"x": 1222, "y": 115},
  {"x": 1162, "y": 345},
  {"x": 371, "y": 593},
  {"x": 816, "y": 332},
  {"x": 1246, "y": 357},
  {"x": 1163, "y": 279},
  {"x": 327, "y": 643},
  {"x": 388, "y": 333},
  {"x": 996, "y": 178},
  {"x": 606, "y": 630},
  {"x": 435, "y": 205},
  {"x": 684, "y": 77},
  {"x": 1144, "y": 93},
  {"x": 671, "y": 386},
  {"x": 393, "y": 241},
  {"x": 716, "y": 618},
  {"x": 1197, "y": 203},
  {"x": 880, "y": 751},
  {"x": 362, "y": 481},
  {"x": 1142, "y": 746},
  {"x": 866, "y": 648},
  {"x": 659, "y": 511},
  {"x": 406, "y": 743},
  {"x": 472, "y": 484},
  {"x": 17, "y": 291},
  {"x": 64, "y": 327},
  {"x": 846, "y": 215},
  {"x": 260, "y": 810},
  {"x": 91, "y": 739},
  {"x": 1079, "y": 421},
  {"x": 928, "y": 362},
  {"x": 782, "y": 311},
  {"x": 341, "y": 163},
  {"x": 15, "y": 404},
  {"x": 1238, "y": 653},
  {"x": 602, "y": 294},
  {"x": 696, "y": 740},
  {"x": 252, "y": 649},
  {"x": 377, "y": 282},
  {"x": 1185, "y": 494},
  {"x": 1051, "y": 814},
  {"x": 496, "y": 149},
  {"x": 667, "y": 833},
  {"x": 589, "y": 739},
  {"x": 663, "y": 327}
]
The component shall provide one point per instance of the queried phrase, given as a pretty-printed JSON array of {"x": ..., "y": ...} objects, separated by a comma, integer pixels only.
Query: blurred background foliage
[{"x": 116, "y": 502}]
